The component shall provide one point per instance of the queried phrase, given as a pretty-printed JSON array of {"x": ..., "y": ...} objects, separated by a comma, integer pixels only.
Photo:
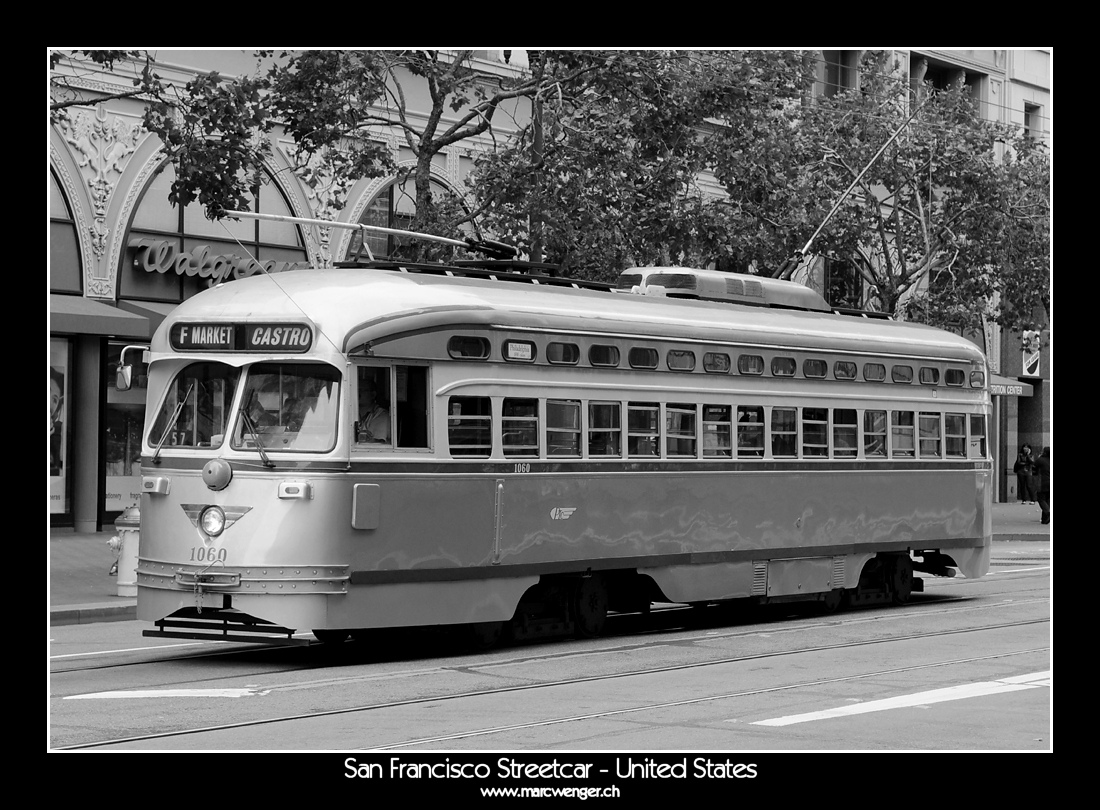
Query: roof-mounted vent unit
[{"x": 713, "y": 285}]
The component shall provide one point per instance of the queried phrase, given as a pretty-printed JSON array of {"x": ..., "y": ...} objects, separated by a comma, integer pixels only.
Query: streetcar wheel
[
  {"x": 330, "y": 636},
  {"x": 901, "y": 580},
  {"x": 591, "y": 607},
  {"x": 486, "y": 634}
]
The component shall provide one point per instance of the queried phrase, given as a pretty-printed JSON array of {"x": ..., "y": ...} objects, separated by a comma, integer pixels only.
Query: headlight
[{"x": 212, "y": 520}]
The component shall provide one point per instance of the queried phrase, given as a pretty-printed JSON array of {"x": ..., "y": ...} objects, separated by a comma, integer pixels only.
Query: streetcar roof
[{"x": 353, "y": 306}]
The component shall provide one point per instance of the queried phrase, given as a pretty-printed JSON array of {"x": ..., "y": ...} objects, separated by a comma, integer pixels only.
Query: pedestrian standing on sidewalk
[
  {"x": 1024, "y": 469},
  {"x": 1032, "y": 476},
  {"x": 1043, "y": 465}
]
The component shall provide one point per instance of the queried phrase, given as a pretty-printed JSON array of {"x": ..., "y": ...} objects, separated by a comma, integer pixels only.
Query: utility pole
[{"x": 535, "y": 59}]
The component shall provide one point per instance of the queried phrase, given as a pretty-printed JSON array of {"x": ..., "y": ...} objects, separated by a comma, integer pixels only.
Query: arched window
[
  {"x": 65, "y": 264},
  {"x": 393, "y": 207},
  {"x": 188, "y": 231},
  {"x": 844, "y": 283}
]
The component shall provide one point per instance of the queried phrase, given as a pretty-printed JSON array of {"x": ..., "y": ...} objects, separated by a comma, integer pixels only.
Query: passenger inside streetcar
[{"x": 374, "y": 418}]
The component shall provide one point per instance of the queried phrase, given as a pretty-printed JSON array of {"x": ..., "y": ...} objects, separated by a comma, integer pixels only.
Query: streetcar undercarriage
[{"x": 566, "y": 605}]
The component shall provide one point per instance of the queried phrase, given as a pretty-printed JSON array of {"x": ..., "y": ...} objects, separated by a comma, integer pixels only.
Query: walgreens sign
[{"x": 159, "y": 256}]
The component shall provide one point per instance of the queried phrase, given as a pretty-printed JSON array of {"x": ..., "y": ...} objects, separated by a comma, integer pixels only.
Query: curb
[
  {"x": 1017, "y": 538},
  {"x": 88, "y": 614}
]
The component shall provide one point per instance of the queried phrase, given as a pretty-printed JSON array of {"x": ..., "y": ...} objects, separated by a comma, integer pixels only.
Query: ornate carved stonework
[
  {"x": 325, "y": 194},
  {"x": 101, "y": 148}
]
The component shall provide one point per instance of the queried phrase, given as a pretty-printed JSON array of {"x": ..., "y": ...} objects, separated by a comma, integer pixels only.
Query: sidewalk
[{"x": 82, "y": 591}]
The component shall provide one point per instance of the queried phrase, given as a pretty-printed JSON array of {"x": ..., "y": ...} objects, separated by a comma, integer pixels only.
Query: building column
[{"x": 85, "y": 462}]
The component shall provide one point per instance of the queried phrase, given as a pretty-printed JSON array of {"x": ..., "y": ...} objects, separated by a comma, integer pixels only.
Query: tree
[
  {"x": 330, "y": 102},
  {"x": 606, "y": 167},
  {"x": 951, "y": 221},
  {"x": 608, "y": 174},
  {"x": 212, "y": 129},
  {"x": 1003, "y": 253}
]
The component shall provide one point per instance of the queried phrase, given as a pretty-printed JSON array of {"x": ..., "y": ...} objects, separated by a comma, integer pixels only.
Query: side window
[
  {"x": 929, "y": 435},
  {"x": 978, "y": 447},
  {"x": 393, "y": 406},
  {"x": 717, "y": 431},
  {"x": 750, "y": 431},
  {"x": 680, "y": 429},
  {"x": 680, "y": 360},
  {"x": 373, "y": 427},
  {"x": 519, "y": 422},
  {"x": 874, "y": 372},
  {"x": 642, "y": 357},
  {"x": 845, "y": 433},
  {"x": 643, "y": 429},
  {"x": 844, "y": 370},
  {"x": 815, "y": 369},
  {"x": 410, "y": 405},
  {"x": 954, "y": 430},
  {"x": 467, "y": 347},
  {"x": 784, "y": 433},
  {"x": 716, "y": 363},
  {"x": 563, "y": 427},
  {"x": 874, "y": 434},
  {"x": 470, "y": 426},
  {"x": 901, "y": 374},
  {"x": 902, "y": 434},
  {"x": 563, "y": 353},
  {"x": 929, "y": 375},
  {"x": 783, "y": 366},
  {"x": 815, "y": 432},
  {"x": 599, "y": 355},
  {"x": 605, "y": 432},
  {"x": 750, "y": 364}
]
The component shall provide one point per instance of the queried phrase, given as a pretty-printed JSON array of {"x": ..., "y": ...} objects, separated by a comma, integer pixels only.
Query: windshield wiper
[
  {"x": 172, "y": 423},
  {"x": 248, "y": 423}
]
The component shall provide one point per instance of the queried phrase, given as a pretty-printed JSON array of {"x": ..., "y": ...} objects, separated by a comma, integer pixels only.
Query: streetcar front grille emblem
[{"x": 232, "y": 513}]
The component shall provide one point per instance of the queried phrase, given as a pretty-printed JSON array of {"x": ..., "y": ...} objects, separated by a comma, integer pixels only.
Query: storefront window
[{"x": 59, "y": 398}]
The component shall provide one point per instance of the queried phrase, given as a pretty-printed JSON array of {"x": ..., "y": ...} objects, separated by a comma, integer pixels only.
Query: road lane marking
[
  {"x": 969, "y": 690},
  {"x": 127, "y": 650},
  {"x": 170, "y": 693}
]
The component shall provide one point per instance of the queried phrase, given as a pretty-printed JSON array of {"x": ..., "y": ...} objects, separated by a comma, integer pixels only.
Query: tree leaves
[{"x": 642, "y": 157}]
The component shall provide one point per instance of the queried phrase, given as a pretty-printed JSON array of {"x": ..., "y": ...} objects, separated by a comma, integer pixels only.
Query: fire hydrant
[{"x": 125, "y": 545}]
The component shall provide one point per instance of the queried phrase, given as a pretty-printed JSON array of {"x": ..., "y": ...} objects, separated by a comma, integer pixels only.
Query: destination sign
[
  {"x": 288, "y": 337},
  {"x": 239, "y": 337}
]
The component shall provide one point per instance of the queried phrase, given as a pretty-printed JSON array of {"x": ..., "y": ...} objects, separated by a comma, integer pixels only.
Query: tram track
[
  {"x": 405, "y": 744},
  {"x": 605, "y": 677},
  {"x": 690, "y": 619}
]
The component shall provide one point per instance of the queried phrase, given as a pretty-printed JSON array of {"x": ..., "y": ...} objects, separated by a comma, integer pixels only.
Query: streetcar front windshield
[
  {"x": 196, "y": 410},
  {"x": 288, "y": 406}
]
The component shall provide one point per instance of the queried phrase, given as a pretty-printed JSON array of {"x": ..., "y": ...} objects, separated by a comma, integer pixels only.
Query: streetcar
[{"x": 501, "y": 451}]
